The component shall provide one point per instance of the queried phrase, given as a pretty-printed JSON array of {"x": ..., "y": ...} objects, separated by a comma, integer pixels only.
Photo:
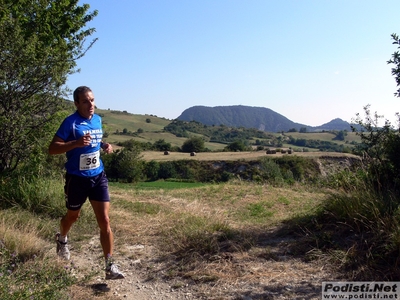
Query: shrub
[
  {"x": 167, "y": 170},
  {"x": 270, "y": 170},
  {"x": 39, "y": 195},
  {"x": 162, "y": 145},
  {"x": 194, "y": 144},
  {"x": 237, "y": 145},
  {"x": 125, "y": 165},
  {"x": 151, "y": 170},
  {"x": 362, "y": 217}
]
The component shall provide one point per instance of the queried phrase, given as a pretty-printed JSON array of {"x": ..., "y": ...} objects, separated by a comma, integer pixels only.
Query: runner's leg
[
  {"x": 66, "y": 222},
  {"x": 101, "y": 210}
]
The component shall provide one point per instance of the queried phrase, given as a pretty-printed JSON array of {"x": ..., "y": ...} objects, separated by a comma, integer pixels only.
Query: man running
[{"x": 80, "y": 137}]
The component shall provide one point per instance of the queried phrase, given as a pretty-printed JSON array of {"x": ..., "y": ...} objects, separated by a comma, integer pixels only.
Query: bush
[
  {"x": 151, "y": 170},
  {"x": 162, "y": 145},
  {"x": 362, "y": 217},
  {"x": 366, "y": 226},
  {"x": 270, "y": 170},
  {"x": 194, "y": 144},
  {"x": 299, "y": 167},
  {"x": 124, "y": 165},
  {"x": 167, "y": 170},
  {"x": 237, "y": 145},
  {"x": 379, "y": 146},
  {"x": 39, "y": 195}
]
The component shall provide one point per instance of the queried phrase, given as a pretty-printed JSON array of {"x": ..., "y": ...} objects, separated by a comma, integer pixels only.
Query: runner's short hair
[{"x": 80, "y": 90}]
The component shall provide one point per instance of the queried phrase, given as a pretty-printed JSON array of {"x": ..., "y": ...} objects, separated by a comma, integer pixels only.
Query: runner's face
[{"x": 85, "y": 106}]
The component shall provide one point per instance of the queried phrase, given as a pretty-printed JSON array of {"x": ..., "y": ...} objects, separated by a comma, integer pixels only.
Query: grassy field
[
  {"x": 212, "y": 241},
  {"x": 154, "y": 131},
  {"x": 117, "y": 120},
  {"x": 192, "y": 229},
  {"x": 245, "y": 155},
  {"x": 324, "y": 136},
  {"x": 180, "y": 224}
]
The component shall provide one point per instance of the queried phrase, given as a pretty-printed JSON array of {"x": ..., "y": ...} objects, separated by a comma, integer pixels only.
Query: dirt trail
[
  {"x": 271, "y": 273},
  {"x": 87, "y": 261}
]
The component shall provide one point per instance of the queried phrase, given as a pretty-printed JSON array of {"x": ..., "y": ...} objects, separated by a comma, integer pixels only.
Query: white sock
[
  {"x": 62, "y": 238},
  {"x": 108, "y": 260}
]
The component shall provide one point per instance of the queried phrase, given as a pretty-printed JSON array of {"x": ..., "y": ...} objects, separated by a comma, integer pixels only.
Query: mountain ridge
[{"x": 262, "y": 118}]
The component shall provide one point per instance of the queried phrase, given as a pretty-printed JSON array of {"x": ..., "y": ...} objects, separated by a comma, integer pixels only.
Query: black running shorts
[{"x": 77, "y": 189}]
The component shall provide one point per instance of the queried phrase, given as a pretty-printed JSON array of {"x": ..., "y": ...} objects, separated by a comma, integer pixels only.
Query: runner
[{"x": 80, "y": 137}]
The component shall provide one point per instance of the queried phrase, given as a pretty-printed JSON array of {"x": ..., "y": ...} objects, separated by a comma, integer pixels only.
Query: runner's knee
[
  {"x": 104, "y": 224},
  {"x": 71, "y": 218}
]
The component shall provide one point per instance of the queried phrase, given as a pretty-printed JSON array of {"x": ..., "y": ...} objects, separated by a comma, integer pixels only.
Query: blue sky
[{"x": 309, "y": 60}]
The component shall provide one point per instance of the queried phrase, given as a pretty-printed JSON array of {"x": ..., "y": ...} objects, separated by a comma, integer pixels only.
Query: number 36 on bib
[{"x": 89, "y": 161}]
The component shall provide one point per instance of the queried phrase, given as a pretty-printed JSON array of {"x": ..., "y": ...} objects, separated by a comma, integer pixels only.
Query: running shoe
[
  {"x": 62, "y": 249},
  {"x": 112, "y": 272}
]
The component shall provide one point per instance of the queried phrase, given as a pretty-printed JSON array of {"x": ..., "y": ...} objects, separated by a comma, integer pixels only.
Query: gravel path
[{"x": 278, "y": 276}]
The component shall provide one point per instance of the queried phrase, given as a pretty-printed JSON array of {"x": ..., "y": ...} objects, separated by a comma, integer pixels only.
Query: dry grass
[
  {"x": 216, "y": 233},
  {"x": 246, "y": 155},
  {"x": 324, "y": 136},
  {"x": 219, "y": 241},
  {"x": 21, "y": 237},
  {"x": 224, "y": 241}
]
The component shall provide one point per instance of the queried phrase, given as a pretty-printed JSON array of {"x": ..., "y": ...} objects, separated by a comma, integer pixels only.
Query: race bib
[{"x": 89, "y": 161}]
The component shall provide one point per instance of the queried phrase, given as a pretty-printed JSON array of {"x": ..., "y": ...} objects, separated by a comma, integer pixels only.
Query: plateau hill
[{"x": 261, "y": 118}]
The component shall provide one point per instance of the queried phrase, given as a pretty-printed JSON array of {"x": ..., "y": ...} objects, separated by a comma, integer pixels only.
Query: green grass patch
[
  {"x": 138, "y": 207},
  {"x": 33, "y": 279},
  {"x": 283, "y": 200},
  {"x": 258, "y": 211},
  {"x": 167, "y": 185}
]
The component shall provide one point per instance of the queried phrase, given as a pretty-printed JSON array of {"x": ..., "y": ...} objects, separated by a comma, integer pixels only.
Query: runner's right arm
[{"x": 59, "y": 146}]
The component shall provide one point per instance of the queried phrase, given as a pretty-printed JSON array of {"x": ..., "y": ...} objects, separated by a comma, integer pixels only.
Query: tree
[
  {"x": 151, "y": 170},
  {"x": 236, "y": 146},
  {"x": 194, "y": 144},
  {"x": 395, "y": 60},
  {"x": 340, "y": 136},
  {"x": 380, "y": 145},
  {"x": 126, "y": 165},
  {"x": 162, "y": 145},
  {"x": 40, "y": 42}
]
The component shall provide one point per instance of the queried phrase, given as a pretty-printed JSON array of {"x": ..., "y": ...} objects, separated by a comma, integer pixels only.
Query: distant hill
[
  {"x": 335, "y": 124},
  {"x": 260, "y": 118}
]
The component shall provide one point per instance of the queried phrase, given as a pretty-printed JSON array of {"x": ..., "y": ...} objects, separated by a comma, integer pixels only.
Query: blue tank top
[{"x": 83, "y": 161}]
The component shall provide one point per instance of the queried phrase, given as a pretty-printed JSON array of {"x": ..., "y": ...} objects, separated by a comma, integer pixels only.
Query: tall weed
[
  {"x": 25, "y": 270},
  {"x": 39, "y": 195},
  {"x": 365, "y": 224},
  {"x": 23, "y": 232}
]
